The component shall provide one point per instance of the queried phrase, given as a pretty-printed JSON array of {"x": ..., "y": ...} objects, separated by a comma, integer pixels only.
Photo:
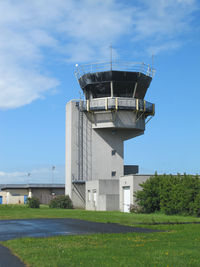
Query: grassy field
[
  {"x": 177, "y": 245},
  {"x": 22, "y": 212}
]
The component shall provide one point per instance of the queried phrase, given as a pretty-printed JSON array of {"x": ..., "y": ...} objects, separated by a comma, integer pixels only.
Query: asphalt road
[{"x": 10, "y": 229}]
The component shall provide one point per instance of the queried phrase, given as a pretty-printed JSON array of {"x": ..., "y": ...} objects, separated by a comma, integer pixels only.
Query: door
[
  {"x": 127, "y": 199},
  {"x": 1, "y": 200},
  {"x": 25, "y": 199},
  {"x": 95, "y": 198}
]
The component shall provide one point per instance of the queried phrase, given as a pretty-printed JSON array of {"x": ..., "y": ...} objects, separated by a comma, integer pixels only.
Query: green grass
[
  {"x": 177, "y": 245},
  {"x": 22, "y": 212}
]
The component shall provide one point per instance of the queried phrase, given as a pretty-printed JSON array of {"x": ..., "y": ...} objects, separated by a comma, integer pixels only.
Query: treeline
[{"x": 170, "y": 194}]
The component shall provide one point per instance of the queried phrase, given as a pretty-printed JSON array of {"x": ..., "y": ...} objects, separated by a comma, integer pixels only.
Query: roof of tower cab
[{"x": 128, "y": 79}]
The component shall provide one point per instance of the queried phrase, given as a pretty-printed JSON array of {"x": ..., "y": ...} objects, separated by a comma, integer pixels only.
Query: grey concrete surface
[
  {"x": 7, "y": 259},
  {"x": 107, "y": 194},
  {"x": 95, "y": 146},
  {"x": 132, "y": 181},
  {"x": 11, "y": 229}
]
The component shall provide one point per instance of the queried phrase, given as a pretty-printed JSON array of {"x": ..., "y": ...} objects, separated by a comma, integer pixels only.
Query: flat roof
[
  {"x": 78, "y": 182},
  {"x": 25, "y": 186}
]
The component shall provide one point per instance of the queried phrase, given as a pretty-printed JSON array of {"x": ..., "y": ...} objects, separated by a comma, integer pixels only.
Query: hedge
[
  {"x": 33, "y": 203},
  {"x": 62, "y": 202},
  {"x": 170, "y": 194}
]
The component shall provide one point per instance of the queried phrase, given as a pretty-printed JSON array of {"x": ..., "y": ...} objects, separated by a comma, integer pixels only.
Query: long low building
[{"x": 19, "y": 193}]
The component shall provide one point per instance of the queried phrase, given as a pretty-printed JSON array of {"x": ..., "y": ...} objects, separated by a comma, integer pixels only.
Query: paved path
[
  {"x": 7, "y": 259},
  {"x": 11, "y": 229}
]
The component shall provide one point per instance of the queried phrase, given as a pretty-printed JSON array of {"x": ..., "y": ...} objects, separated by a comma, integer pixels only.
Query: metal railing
[
  {"x": 118, "y": 66},
  {"x": 118, "y": 103}
]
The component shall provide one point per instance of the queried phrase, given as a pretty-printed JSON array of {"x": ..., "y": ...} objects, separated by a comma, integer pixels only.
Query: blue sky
[{"x": 40, "y": 43}]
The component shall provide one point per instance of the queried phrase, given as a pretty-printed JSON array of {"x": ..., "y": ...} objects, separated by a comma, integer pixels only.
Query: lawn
[
  {"x": 22, "y": 212},
  {"x": 176, "y": 245}
]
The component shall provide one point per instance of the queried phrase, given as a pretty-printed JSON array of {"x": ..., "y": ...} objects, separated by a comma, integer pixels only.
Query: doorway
[{"x": 127, "y": 199}]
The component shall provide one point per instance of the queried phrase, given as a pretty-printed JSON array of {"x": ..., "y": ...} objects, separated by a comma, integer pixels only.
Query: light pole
[
  {"x": 53, "y": 168},
  {"x": 28, "y": 175}
]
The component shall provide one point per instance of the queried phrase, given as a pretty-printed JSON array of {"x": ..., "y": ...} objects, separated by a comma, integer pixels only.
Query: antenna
[
  {"x": 111, "y": 56},
  {"x": 53, "y": 169},
  {"x": 152, "y": 61}
]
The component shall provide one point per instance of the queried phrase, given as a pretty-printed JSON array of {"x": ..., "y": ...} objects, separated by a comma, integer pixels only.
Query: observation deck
[
  {"x": 118, "y": 103},
  {"x": 114, "y": 79}
]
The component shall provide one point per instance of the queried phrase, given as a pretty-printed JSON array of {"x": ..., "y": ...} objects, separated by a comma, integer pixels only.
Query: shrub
[
  {"x": 194, "y": 207},
  {"x": 62, "y": 202},
  {"x": 135, "y": 209},
  {"x": 171, "y": 194},
  {"x": 33, "y": 203},
  {"x": 149, "y": 197}
]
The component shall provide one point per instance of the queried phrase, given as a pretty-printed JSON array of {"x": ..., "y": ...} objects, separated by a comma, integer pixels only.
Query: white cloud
[
  {"x": 20, "y": 86},
  {"x": 154, "y": 50},
  {"x": 11, "y": 174},
  {"x": 79, "y": 31},
  {"x": 36, "y": 175},
  {"x": 162, "y": 24}
]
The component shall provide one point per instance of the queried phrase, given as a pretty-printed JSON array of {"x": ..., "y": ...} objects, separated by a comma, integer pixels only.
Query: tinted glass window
[{"x": 123, "y": 89}]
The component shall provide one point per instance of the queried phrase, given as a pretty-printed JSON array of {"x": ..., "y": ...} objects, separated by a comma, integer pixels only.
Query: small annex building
[
  {"x": 116, "y": 194},
  {"x": 102, "y": 195},
  {"x": 19, "y": 193},
  {"x": 128, "y": 185}
]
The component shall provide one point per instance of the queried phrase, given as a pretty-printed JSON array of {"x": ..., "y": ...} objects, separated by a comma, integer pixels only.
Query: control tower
[{"x": 113, "y": 111}]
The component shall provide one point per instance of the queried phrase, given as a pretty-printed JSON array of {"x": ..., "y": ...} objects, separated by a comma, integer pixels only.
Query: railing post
[
  {"x": 134, "y": 91},
  {"x": 116, "y": 103},
  {"x": 137, "y": 104},
  {"x": 88, "y": 105},
  {"x": 153, "y": 112},
  {"x": 106, "y": 103},
  {"x": 148, "y": 70},
  {"x": 111, "y": 88}
]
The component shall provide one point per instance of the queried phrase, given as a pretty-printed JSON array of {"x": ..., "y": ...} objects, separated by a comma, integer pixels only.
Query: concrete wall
[
  {"x": 45, "y": 195},
  {"x": 94, "y": 146},
  {"x": 90, "y": 188},
  {"x": 102, "y": 195},
  {"x": 117, "y": 119},
  {"x": 71, "y": 146},
  {"x": 78, "y": 195},
  {"x": 78, "y": 146},
  {"x": 107, "y": 154},
  {"x": 16, "y": 196},
  {"x": 134, "y": 182},
  {"x": 90, "y": 142},
  {"x": 89, "y": 152}
]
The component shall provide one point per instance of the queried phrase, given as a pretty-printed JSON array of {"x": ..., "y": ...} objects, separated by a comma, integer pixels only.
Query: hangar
[{"x": 19, "y": 193}]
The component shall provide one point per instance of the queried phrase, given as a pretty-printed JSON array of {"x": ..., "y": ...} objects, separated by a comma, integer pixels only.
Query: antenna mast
[
  {"x": 152, "y": 61},
  {"x": 111, "y": 56}
]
